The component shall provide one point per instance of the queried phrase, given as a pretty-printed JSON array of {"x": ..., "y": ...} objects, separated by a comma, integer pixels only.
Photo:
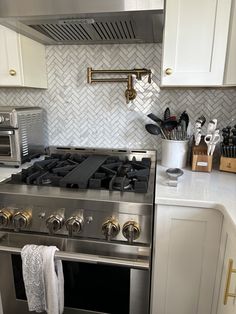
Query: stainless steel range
[{"x": 96, "y": 206}]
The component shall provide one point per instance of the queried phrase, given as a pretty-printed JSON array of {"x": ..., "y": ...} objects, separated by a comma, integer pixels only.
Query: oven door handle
[
  {"x": 89, "y": 258},
  {"x": 6, "y": 132}
]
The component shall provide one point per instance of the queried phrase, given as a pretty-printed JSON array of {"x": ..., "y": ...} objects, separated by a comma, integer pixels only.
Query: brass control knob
[
  {"x": 5, "y": 217},
  {"x": 74, "y": 224},
  {"x": 131, "y": 231},
  {"x": 21, "y": 220},
  {"x": 12, "y": 72},
  {"x": 110, "y": 229},
  {"x": 168, "y": 71},
  {"x": 54, "y": 223}
]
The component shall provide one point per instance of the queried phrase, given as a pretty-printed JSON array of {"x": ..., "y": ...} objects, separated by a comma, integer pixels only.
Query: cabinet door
[
  {"x": 230, "y": 68},
  {"x": 10, "y": 65},
  {"x": 186, "y": 246},
  {"x": 230, "y": 254},
  {"x": 195, "y": 41}
]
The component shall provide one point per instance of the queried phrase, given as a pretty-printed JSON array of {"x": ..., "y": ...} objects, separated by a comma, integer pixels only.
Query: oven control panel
[{"x": 83, "y": 223}]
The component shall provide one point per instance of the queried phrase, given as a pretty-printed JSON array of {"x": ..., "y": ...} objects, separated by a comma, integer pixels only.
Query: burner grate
[{"x": 88, "y": 172}]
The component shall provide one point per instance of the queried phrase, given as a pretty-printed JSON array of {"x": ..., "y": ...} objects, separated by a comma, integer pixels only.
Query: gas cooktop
[
  {"x": 105, "y": 176},
  {"x": 71, "y": 169}
]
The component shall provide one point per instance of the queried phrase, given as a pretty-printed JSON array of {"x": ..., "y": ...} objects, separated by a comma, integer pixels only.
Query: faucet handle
[{"x": 130, "y": 94}]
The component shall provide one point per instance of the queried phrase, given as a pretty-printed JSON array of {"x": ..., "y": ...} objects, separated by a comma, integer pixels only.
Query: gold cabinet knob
[
  {"x": 12, "y": 72},
  {"x": 168, "y": 71}
]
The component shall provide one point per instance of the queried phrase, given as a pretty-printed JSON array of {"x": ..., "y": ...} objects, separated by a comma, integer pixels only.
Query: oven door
[
  {"x": 7, "y": 145},
  {"x": 93, "y": 284}
]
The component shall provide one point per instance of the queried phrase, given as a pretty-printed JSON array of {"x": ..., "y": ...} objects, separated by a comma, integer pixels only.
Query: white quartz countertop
[{"x": 209, "y": 190}]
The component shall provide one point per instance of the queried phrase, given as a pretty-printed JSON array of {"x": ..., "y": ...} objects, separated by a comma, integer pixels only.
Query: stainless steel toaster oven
[{"x": 21, "y": 134}]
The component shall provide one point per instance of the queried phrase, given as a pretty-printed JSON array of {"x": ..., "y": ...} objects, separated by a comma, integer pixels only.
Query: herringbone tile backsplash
[{"x": 80, "y": 114}]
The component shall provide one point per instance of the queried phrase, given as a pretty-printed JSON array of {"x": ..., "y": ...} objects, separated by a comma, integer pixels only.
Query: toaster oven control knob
[
  {"x": 74, "y": 225},
  {"x": 131, "y": 231},
  {"x": 21, "y": 220},
  {"x": 54, "y": 223},
  {"x": 5, "y": 218},
  {"x": 110, "y": 229}
]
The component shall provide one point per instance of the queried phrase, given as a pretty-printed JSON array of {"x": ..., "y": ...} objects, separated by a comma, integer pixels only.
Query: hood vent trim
[
  {"x": 70, "y": 30},
  {"x": 80, "y": 22}
]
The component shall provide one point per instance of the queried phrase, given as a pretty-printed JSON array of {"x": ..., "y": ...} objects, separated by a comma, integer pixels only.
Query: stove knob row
[
  {"x": 110, "y": 229},
  {"x": 74, "y": 224},
  {"x": 21, "y": 220}
]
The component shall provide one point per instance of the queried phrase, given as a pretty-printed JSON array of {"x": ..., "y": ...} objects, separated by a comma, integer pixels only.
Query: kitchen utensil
[
  {"x": 154, "y": 118},
  {"x": 201, "y": 120},
  {"x": 198, "y": 129},
  {"x": 211, "y": 126},
  {"x": 197, "y": 136},
  {"x": 158, "y": 122},
  {"x": 153, "y": 129},
  {"x": 169, "y": 124},
  {"x": 228, "y": 151},
  {"x": 211, "y": 140},
  {"x": 184, "y": 117},
  {"x": 234, "y": 136},
  {"x": 167, "y": 114},
  {"x": 226, "y": 136},
  {"x": 162, "y": 131},
  {"x": 172, "y": 118}
]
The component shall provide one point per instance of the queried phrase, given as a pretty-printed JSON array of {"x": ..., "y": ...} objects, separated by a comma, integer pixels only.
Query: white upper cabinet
[
  {"x": 195, "y": 42},
  {"x": 230, "y": 66},
  {"x": 22, "y": 61}
]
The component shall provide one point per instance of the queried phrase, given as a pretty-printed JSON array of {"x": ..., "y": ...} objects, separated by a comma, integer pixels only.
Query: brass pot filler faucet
[{"x": 130, "y": 92}]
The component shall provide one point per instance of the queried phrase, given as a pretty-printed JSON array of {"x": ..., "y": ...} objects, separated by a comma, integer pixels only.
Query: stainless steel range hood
[{"x": 85, "y": 21}]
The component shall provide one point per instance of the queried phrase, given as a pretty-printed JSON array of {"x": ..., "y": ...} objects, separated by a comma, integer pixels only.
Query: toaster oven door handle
[
  {"x": 6, "y": 132},
  {"x": 88, "y": 258}
]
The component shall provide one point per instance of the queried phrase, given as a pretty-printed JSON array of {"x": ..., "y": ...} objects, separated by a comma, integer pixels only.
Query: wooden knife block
[
  {"x": 200, "y": 160},
  {"x": 228, "y": 164}
]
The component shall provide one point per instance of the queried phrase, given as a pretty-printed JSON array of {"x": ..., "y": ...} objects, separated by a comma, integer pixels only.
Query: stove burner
[
  {"x": 121, "y": 184},
  {"x": 88, "y": 171}
]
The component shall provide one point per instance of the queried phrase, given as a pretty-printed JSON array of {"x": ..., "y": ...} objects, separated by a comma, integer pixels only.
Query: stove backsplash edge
[{"x": 79, "y": 114}]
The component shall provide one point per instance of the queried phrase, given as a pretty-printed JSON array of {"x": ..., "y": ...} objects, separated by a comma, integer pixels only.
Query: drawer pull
[
  {"x": 168, "y": 71},
  {"x": 227, "y": 293},
  {"x": 12, "y": 72}
]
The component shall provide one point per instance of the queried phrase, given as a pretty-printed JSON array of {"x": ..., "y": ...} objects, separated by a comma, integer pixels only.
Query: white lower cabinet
[
  {"x": 185, "y": 256},
  {"x": 227, "y": 305}
]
